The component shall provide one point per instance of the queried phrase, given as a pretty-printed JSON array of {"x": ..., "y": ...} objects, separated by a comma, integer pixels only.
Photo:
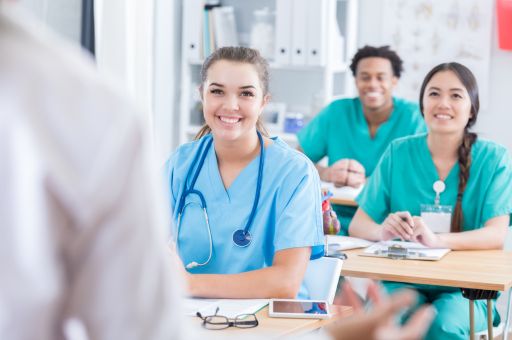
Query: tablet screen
[{"x": 300, "y": 307}]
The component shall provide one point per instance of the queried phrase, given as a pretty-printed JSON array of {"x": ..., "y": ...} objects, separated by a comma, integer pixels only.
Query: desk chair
[
  {"x": 503, "y": 327},
  {"x": 321, "y": 278}
]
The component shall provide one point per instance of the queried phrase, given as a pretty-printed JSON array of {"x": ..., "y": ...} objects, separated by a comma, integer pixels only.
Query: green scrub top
[
  {"x": 405, "y": 174},
  {"x": 340, "y": 131}
]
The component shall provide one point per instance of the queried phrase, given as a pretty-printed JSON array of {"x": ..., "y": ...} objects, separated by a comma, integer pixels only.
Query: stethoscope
[{"x": 241, "y": 237}]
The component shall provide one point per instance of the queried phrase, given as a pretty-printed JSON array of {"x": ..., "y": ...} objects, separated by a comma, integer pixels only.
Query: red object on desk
[{"x": 504, "y": 13}]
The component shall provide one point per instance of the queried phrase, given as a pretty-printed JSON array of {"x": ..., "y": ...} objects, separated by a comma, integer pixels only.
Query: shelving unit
[{"x": 303, "y": 88}]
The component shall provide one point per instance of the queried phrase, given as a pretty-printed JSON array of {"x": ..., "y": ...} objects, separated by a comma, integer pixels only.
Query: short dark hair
[{"x": 379, "y": 52}]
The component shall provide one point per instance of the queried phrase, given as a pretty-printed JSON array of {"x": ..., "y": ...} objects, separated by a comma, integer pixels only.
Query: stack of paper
[
  {"x": 415, "y": 251},
  {"x": 229, "y": 308},
  {"x": 343, "y": 192},
  {"x": 337, "y": 242}
]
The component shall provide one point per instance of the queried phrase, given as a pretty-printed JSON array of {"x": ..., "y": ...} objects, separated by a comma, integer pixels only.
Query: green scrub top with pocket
[
  {"x": 403, "y": 181},
  {"x": 340, "y": 131}
]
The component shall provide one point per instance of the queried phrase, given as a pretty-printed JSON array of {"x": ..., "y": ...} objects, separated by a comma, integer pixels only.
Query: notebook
[
  {"x": 412, "y": 251},
  {"x": 229, "y": 308}
]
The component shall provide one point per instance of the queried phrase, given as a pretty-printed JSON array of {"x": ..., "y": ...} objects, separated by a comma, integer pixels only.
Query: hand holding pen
[{"x": 399, "y": 224}]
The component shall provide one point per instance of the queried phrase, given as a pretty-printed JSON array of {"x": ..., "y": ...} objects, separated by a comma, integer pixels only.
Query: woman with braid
[{"x": 473, "y": 183}]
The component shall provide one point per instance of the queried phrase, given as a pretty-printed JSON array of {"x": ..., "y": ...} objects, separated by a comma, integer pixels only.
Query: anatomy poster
[{"x": 428, "y": 32}]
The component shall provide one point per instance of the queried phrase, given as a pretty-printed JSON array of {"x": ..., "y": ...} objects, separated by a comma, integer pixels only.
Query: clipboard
[{"x": 400, "y": 250}]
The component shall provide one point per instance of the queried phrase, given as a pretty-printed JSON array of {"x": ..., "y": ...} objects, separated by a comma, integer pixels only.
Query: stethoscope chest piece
[{"x": 242, "y": 238}]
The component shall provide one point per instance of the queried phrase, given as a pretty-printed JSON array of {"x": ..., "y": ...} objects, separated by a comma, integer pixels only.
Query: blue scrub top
[
  {"x": 288, "y": 213},
  {"x": 406, "y": 172}
]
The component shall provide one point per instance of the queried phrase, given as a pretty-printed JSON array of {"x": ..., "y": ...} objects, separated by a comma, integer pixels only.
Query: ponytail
[{"x": 464, "y": 153}]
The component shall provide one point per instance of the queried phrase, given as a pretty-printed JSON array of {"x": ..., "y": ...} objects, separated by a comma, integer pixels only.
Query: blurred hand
[
  {"x": 424, "y": 235},
  {"x": 399, "y": 224},
  {"x": 380, "y": 322},
  {"x": 345, "y": 172}
]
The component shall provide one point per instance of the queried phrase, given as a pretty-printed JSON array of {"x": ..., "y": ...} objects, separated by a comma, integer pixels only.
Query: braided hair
[{"x": 467, "y": 79}]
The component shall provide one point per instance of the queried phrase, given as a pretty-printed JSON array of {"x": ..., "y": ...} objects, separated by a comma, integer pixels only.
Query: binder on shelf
[
  {"x": 224, "y": 26},
  {"x": 299, "y": 32},
  {"x": 192, "y": 34},
  {"x": 336, "y": 44},
  {"x": 208, "y": 27},
  {"x": 283, "y": 31},
  {"x": 316, "y": 30}
]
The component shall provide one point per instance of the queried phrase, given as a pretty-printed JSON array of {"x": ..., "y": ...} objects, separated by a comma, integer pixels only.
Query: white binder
[
  {"x": 192, "y": 29},
  {"x": 316, "y": 31},
  {"x": 283, "y": 31},
  {"x": 224, "y": 26},
  {"x": 299, "y": 31}
]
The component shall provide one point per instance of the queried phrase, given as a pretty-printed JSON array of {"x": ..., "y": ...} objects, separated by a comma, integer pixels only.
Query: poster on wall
[{"x": 428, "y": 32}]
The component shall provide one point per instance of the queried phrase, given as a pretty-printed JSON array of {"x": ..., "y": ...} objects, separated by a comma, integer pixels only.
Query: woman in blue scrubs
[
  {"x": 246, "y": 207},
  {"x": 448, "y": 168}
]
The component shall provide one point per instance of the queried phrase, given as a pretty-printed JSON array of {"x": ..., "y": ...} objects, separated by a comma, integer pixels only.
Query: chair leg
[
  {"x": 489, "y": 319},
  {"x": 471, "y": 319},
  {"x": 507, "y": 320}
]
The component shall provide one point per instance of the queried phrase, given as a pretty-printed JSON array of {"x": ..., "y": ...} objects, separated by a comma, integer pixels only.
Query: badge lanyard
[{"x": 437, "y": 217}]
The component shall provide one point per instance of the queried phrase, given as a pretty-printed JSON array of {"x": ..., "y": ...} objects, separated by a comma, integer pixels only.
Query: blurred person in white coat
[
  {"x": 82, "y": 234},
  {"x": 82, "y": 220}
]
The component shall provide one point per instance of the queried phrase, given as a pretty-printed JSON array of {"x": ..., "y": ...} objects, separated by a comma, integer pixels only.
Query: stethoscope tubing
[{"x": 202, "y": 153}]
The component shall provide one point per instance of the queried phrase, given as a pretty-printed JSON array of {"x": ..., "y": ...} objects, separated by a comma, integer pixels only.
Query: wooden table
[
  {"x": 343, "y": 201},
  {"x": 280, "y": 327},
  {"x": 479, "y": 269}
]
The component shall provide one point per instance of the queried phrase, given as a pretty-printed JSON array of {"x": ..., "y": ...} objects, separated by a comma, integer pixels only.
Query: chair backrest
[
  {"x": 321, "y": 278},
  {"x": 507, "y": 246}
]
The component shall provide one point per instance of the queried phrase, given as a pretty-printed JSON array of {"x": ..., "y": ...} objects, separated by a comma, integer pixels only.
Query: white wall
[
  {"x": 495, "y": 121},
  {"x": 166, "y": 76},
  {"x": 62, "y": 16}
]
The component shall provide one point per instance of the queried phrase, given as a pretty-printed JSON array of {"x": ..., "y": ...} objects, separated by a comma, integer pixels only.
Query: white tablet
[{"x": 300, "y": 309}]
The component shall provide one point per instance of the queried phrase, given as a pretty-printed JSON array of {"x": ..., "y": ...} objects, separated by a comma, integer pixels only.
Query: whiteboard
[{"x": 425, "y": 33}]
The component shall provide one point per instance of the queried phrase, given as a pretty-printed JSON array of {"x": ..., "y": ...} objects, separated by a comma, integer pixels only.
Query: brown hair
[
  {"x": 467, "y": 79},
  {"x": 242, "y": 55}
]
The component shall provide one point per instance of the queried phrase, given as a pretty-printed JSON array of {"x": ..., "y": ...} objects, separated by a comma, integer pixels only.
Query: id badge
[{"x": 437, "y": 217}]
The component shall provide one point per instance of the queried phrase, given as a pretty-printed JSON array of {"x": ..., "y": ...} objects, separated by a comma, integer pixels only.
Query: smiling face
[
  {"x": 375, "y": 82},
  {"x": 233, "y": 99},
  {"x": 446, "y": 104}
]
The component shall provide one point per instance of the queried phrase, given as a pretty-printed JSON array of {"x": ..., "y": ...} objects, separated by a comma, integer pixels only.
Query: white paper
[
  {"x": 347, "y": 192},
  {"x": 229, "y": 308},
  {"x": 424, "y": 252},
  {"x": 346, "y": 242}
]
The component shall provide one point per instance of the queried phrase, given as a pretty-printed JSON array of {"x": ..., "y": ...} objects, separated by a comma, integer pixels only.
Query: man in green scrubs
[{"x": 354, "y": 132}]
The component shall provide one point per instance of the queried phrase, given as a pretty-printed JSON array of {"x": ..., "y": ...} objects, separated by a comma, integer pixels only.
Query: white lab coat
[{"x": 82, "y": 226}]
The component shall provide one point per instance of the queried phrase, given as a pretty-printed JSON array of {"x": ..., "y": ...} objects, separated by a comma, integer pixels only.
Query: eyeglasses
[{"x": 216, "y": 322}]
